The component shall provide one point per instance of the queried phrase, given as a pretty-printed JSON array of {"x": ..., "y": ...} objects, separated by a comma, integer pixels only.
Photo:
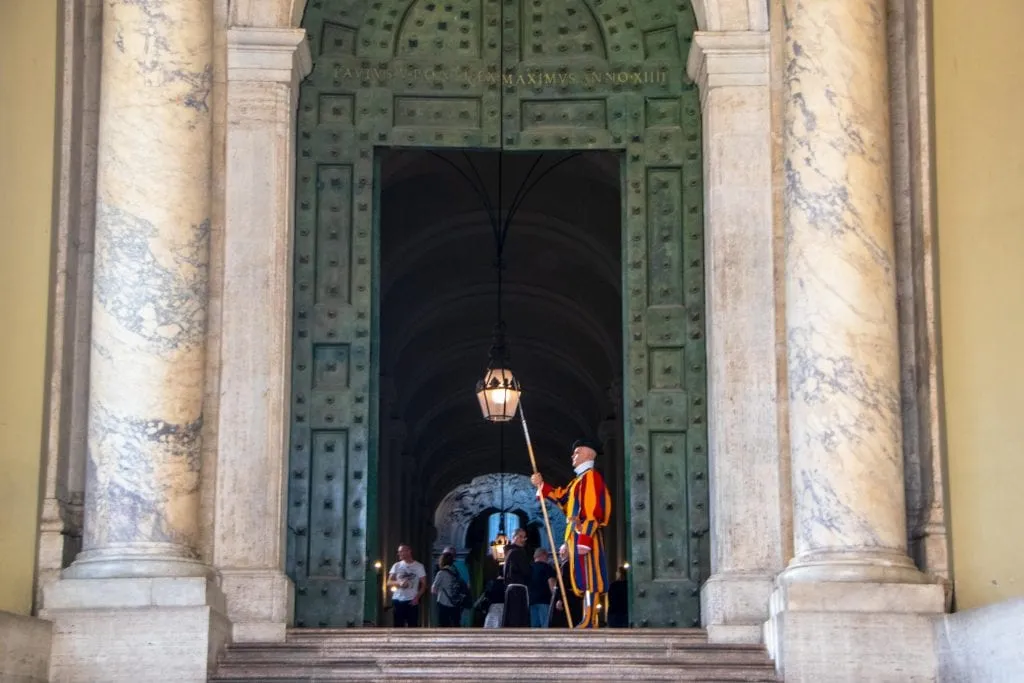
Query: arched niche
[{"x": 465, "y": 502}]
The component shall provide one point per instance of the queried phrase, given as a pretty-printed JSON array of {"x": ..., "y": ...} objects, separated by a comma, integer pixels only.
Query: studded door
[{"x": 516, "y": 75}]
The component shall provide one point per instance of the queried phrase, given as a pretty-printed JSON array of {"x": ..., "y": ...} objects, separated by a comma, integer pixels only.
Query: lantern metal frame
[{"x": 499, "y": 391}]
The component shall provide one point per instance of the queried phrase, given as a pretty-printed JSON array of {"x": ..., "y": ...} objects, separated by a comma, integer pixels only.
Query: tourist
[
  {"x": 542, "y": 583},
  {"x": 408, "y": 582},
  {"x": 446, "y": 580}
]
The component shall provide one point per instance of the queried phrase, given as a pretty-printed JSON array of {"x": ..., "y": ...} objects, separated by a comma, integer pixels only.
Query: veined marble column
[
  {"x": 150, "y": 292},
  {"x": 843, "y": 343},
  {"x": 851, "y": 602}
]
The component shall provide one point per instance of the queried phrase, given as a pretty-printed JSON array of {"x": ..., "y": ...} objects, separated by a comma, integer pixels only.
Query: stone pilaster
[
  {"x": 851, "y": 602},
  {"x": 731, "y": 69},
  {"x": 138, "y": 588},
  {"x": 60, "y": 524},
  {"x": 264, "y": 67}
]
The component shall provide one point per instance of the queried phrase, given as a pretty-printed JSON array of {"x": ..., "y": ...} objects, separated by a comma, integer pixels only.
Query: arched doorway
[{"x": 520, "y": 78}]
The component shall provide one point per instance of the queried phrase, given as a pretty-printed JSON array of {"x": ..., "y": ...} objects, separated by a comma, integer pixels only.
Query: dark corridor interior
[{"x": 561, "y": 303}]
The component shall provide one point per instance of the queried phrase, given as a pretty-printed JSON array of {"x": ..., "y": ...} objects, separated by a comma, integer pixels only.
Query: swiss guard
[{"x": 588, "y": 508}]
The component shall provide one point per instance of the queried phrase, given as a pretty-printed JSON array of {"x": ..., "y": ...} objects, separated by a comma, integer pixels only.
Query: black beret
[{"x": 587, "y": 443}]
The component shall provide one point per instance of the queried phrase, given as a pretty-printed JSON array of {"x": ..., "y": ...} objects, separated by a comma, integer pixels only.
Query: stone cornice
[
  {"x": 279, "y": 55},
  {"x": 728, "y": 59}
]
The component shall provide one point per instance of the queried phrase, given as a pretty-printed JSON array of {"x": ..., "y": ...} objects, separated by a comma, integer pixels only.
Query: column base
[
  {"x": 734, "y": 606},
  {"x": 137, "y": 560},
  {"x": 854, "y": 631},
  {"x": 122, "y": 630},
  {"x": 260, "y": 604},
  {"x": 864, "y": 566}
]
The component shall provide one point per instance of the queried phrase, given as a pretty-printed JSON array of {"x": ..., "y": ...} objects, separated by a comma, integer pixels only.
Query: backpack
[{"x": 458, "y": 591}]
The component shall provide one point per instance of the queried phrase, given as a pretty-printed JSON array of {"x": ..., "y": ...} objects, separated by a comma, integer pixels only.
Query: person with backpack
[{"x": 452, "y": 593}]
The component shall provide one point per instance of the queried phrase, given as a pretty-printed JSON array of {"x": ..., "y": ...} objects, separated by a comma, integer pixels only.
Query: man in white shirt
[{"x": 408, "y": 581}]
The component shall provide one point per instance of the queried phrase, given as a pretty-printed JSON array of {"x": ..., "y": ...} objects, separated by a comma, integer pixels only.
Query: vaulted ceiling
[{"x": 561, "y": 305}]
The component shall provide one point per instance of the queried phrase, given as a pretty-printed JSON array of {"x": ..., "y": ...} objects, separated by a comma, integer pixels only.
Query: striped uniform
[{"x": 588, "y": 508}]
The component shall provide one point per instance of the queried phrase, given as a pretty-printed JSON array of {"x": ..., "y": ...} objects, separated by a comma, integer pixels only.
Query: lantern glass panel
[{"x": 498, "y": 395}]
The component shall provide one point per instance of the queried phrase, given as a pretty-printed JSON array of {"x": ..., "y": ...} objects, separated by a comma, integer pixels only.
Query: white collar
[{"x": 580, "y": 469}]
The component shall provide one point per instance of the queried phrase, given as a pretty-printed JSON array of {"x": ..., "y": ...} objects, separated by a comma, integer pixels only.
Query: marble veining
[
  {"x": 842, "y": 335},
  {"x": 140, "y": 473},
  {"x": 160, "y": 301},
  {"x": 151, "y": 279},
  {"x": 153, "y": 9}
]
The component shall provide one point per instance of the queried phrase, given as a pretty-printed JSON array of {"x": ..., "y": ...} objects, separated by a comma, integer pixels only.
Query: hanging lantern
[
  {"x": 498, "y": 393},
  {"x": 498, "y": 546}
]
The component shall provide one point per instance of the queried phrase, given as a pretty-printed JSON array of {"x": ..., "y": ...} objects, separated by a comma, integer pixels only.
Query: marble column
[
  {"x": 851, "y": 602},
  {"x": 149, "y": 293},
  {"x": 138, "y": 599},
  {"x": 745, "y": 448},
  {"x": 841, "y": 323},
  {"x": 264, "y": 67}
]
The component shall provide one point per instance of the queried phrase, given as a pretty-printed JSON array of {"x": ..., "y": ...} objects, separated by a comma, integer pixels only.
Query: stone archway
[
  {"x": 264, "y": 66},
  {"x": 451, "y": 76},
  {"x": 462, "y": 504},
  {"x": 712, "y": 15}
]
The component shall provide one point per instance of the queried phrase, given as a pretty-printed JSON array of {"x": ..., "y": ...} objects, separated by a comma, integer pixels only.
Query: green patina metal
[{"x": 516, "y": 75}]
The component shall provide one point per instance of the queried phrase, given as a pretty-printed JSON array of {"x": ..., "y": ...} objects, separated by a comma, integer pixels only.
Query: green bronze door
[{"x": 516, "y": 75}]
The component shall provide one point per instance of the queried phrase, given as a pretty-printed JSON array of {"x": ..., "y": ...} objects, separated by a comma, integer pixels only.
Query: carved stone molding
[
  {"x": 268, "y": 55},
  {"x": 737, "y": 58}
]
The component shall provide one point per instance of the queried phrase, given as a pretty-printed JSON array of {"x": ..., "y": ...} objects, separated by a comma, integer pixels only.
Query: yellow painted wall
[
  {"x": 28, "y": 59},
  {"x": 979, "y": 118}
]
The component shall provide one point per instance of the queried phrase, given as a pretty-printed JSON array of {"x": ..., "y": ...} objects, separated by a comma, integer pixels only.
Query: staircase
[{"x": 493, "y": 655}]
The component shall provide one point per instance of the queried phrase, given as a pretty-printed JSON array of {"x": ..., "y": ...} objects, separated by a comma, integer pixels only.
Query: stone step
[
  {"x": 476, "y": 654},
  {"x": 373, "y": 632},
  {"x": 646, "y": 633},
  {"x": 484, "y": 656},
  {"x": 443, "y": 640},
  {"x": 521, "y": 671},
  {"x": 429, "y": 637}
]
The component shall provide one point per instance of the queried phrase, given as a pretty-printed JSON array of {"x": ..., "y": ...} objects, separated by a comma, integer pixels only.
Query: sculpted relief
[{"x": 464, "y": 503}]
